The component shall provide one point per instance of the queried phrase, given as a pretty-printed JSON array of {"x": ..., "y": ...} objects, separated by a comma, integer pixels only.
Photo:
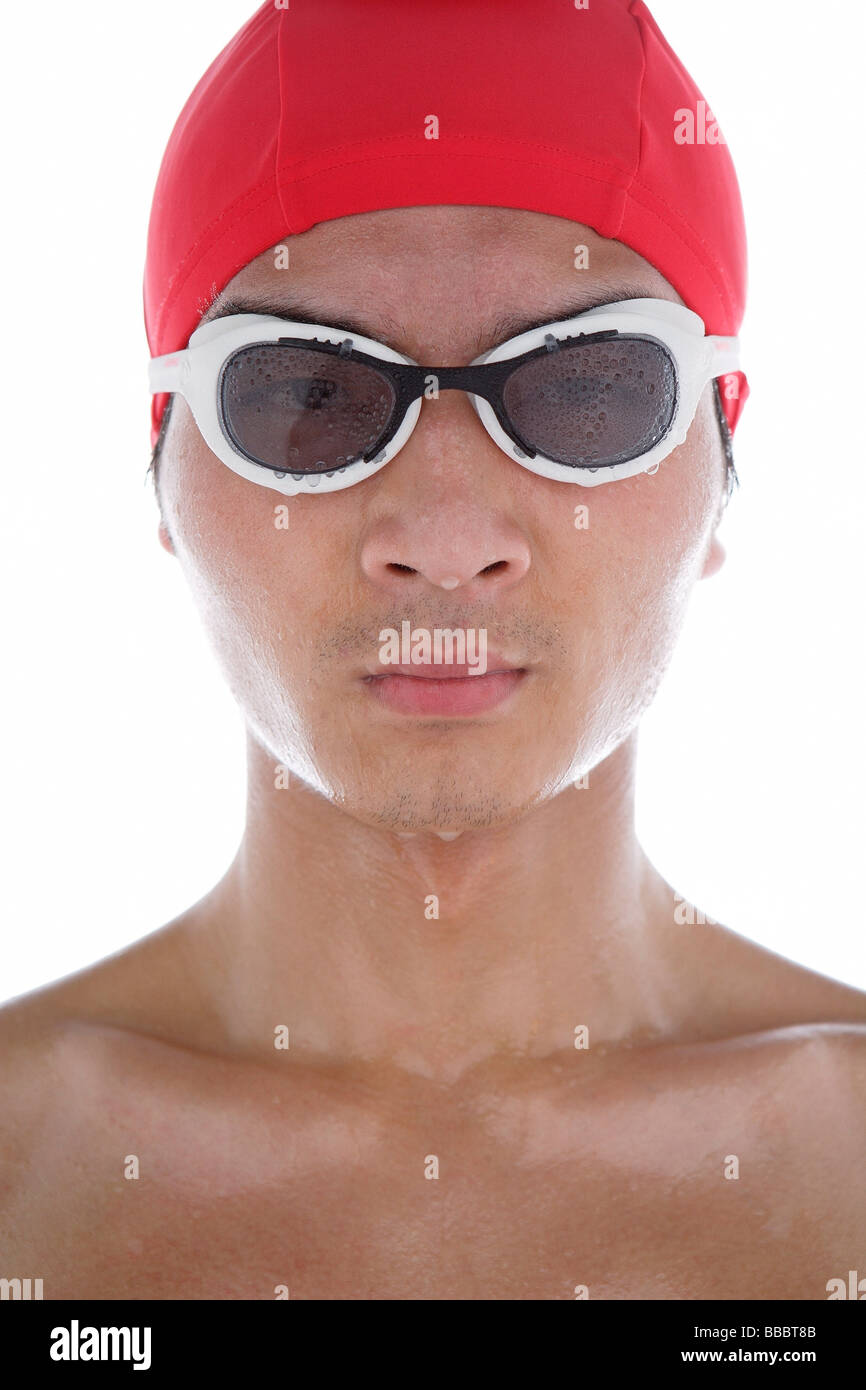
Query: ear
[
  {"x": 163, "y": 533},
  {"x": 165, "y": 539},
  {"x": 714, "y": 559}
]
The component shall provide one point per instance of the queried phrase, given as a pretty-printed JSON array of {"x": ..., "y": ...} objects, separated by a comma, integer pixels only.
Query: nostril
[
  {"x": 399, "y": 569},
  {"x": 491, "y": 569}
]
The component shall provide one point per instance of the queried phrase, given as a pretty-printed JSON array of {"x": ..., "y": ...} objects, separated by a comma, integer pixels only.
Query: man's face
[{"x": 591, "y": 612}]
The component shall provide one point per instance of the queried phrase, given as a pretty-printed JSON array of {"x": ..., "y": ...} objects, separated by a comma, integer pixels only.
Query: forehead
[{"x": 453, "y": 266}]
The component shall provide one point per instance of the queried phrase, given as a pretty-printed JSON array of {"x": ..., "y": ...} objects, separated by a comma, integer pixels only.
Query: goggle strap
[
  {"x": 165, "y": 373},
  {"x": 726, "y": 356}
]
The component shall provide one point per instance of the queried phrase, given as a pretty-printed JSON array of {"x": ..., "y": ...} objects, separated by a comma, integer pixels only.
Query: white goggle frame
[{"x": 194, "y": 373}]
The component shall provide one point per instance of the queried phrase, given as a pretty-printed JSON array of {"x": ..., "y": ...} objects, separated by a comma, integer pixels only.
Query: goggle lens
[
  {"x": 297, "y": 410},
  {"x": 590, "y": 405},
  {"x": 583, "y": 404}
]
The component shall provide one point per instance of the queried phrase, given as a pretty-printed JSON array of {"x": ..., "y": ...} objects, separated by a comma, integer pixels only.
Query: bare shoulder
[
  {"x": 786, "y": 1043},
  {"x": 148, "y": 989},
  {"x": 792, "y": 1043},
  {"x": 799, "y": 995},
  {"x": 154, "y": 985},
  {"x": 744, "y": 987}
]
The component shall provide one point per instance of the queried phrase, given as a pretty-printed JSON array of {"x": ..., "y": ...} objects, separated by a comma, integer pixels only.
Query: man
[{"x": 441, "y": 1031}]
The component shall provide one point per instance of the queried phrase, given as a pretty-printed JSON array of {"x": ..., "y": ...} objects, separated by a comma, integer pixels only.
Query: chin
[{"x": 445, "y": 805}]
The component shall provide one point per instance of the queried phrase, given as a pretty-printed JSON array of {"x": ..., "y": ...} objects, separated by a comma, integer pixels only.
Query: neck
[{"x": 438, "y": 955}]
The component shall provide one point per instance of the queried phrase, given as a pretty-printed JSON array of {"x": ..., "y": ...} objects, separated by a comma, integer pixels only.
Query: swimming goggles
[{"x": 304, "y": 407}]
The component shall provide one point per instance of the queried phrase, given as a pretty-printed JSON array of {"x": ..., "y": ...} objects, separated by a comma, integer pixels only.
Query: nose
[{"x": 442, "y": 516}]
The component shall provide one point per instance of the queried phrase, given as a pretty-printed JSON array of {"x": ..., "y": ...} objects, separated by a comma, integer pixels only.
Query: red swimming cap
[{"x": 319, "y": 108}]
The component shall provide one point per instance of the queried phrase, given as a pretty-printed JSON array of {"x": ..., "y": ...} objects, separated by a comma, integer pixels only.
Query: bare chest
[{"x": 414, "y": 1209}]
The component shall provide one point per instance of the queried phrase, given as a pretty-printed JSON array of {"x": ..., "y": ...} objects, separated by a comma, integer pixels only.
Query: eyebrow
[{"x": 498, "y": 331}]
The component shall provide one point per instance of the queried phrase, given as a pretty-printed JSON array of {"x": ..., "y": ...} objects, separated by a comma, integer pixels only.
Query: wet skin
[{"x": 413, "y": 1037}]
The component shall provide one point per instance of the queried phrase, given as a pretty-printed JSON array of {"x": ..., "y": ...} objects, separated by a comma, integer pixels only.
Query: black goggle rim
[{"x": 485, "y": 379}]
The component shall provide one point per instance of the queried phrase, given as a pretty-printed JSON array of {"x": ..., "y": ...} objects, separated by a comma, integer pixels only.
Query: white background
[{"x": 123, "y": 774}]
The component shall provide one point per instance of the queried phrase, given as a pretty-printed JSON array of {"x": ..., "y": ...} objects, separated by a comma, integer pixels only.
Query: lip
[{"x": 444, "y": 689}]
